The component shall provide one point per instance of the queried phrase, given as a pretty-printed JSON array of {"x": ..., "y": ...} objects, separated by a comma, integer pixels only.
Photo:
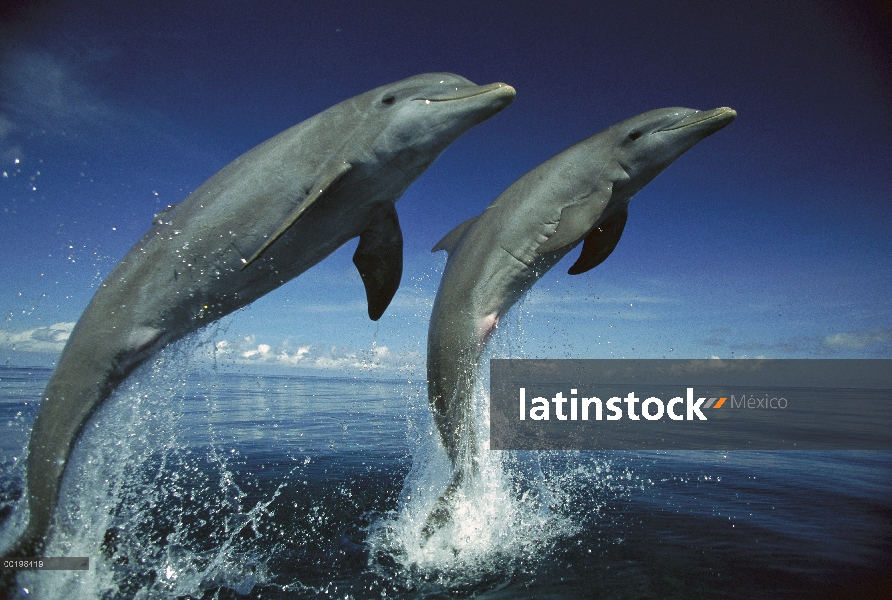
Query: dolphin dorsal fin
[
  {"x": 329, "y": 177},
  {"x": 601, "y": 242},
  {"x": 451, "y": 239},
  {"x": 379, "y": 259},
  {"x": 578, "y": 219}
]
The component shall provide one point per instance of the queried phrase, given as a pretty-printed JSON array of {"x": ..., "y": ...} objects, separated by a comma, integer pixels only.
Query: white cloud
[
  {"x": 41, "y": 339},
  {"x": 248, "y": 351},
  {"x": 241, "y": 351},
  {"x": 858, "y": 340}
]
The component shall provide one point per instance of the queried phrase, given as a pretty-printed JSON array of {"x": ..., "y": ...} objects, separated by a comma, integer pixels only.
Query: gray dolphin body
[
  {"x": 580, "y": 194},
  {"x": 264, "y": 219}
]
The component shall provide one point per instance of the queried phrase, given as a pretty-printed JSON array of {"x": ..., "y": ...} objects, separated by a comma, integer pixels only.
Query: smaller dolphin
[
  {"x": 580, "y": 194},
  {"x": 264, "y": 219}
]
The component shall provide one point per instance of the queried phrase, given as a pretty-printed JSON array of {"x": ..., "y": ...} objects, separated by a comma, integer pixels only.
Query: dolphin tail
[
  {"x": 452, "y": 372},
  {"x": 85, "y": 376},
  {"x": 28, "y": 545},
  {"x": 441, "y": 514}
]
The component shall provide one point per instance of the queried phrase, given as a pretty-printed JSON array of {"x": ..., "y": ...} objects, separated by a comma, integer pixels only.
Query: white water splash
[
  {"x": 516, "y": 509},
  {"x": 502, "y": 516},
  {"x": 131, "y": 463}
]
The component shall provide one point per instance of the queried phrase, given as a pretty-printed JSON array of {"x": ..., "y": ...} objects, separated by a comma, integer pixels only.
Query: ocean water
[{"x": 192, "y": 483}]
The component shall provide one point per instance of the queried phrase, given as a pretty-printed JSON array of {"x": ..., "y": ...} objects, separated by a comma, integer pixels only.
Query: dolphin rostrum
[
  {"x": 264, "y": 219},
  {"x": 580, "y": 194}
]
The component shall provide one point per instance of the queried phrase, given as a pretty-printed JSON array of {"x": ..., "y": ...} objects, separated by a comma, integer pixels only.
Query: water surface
[{"x": 197, "y": 484}]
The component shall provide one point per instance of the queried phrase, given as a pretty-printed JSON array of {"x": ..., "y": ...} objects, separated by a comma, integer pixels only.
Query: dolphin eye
[
  {"x": 388, "y": 100},
  {"x": 634, "y": 135}
]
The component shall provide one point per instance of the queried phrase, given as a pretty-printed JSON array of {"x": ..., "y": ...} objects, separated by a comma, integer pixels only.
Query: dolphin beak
[
  {"x": 499, "y": 90},
  {"x": 715, "y": 119}
]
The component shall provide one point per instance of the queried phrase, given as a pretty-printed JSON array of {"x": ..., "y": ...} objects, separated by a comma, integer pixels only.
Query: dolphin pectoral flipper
[
  {"x": 379, "y": 260},
  {"x": 331, "y": 176},
  {"x": 577, "y": 220},
  {"x": 601, "y": 242},
  {"x": 451, "y": 239}
]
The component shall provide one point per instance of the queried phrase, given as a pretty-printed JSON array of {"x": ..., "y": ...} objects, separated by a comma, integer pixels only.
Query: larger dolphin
[
  {"x": 264, "y": 219},
  {"x": 580, "y": 194}
]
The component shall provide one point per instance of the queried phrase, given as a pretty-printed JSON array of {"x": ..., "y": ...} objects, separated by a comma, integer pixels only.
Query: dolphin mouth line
[
  {"x": 461, "y": 94},
  {"x": 702, "y": 116}
]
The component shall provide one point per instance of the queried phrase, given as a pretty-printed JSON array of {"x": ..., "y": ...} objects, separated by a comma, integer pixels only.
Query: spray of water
[
  {"x": 514, "y": 510},
  {"x": 175, "y": 522},
  {"x": 157, "y": 503}
]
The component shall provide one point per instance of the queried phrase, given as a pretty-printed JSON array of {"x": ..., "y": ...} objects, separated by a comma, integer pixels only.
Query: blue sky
[{"x": 771, "y": 238}]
